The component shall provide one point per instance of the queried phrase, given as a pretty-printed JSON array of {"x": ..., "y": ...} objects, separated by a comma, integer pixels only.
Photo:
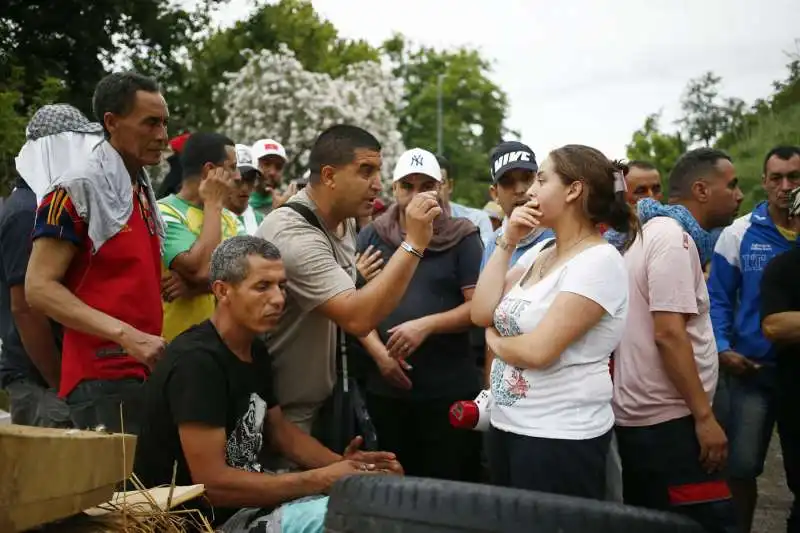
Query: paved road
[{"x": 774, "y": 498}]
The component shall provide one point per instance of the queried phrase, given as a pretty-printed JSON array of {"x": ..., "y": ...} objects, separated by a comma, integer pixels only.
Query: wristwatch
[{"x": 502, "y": 243}]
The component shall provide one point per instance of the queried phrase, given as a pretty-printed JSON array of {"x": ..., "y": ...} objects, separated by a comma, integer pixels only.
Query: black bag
[{"x": 344, "y": 415}]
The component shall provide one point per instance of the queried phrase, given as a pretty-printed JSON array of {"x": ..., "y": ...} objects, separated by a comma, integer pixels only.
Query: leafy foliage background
[{"x": 211, "y": 81}]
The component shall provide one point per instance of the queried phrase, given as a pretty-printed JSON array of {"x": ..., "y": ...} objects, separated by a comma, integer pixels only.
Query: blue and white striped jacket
[{"x": 742, "y": 252}]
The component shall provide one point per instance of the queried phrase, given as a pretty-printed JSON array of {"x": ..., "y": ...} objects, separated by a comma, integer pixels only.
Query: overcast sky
[{"x": 588, "y": 71}]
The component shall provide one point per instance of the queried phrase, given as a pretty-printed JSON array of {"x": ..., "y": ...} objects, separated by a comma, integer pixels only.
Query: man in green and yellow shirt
[{"x": 196, "y": 222}]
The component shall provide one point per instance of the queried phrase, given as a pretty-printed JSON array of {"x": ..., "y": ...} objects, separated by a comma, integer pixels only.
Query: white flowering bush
[{"x": 273, "y": 96}]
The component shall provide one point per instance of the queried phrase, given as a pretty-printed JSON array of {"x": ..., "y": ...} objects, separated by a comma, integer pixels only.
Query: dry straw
[{"x": 139, "y": 516}]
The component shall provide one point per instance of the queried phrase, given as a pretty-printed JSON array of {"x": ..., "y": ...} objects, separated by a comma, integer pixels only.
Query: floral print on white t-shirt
[{"x": 508, "y": 382}]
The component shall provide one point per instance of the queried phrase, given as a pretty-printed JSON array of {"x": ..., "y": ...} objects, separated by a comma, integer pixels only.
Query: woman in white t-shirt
[{"x": 552, "y": 323}]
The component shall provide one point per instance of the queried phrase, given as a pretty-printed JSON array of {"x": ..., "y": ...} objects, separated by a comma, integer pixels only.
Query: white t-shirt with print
[
  {"x": 528, "y": 258},
  {"x": 571, "y": 399}
]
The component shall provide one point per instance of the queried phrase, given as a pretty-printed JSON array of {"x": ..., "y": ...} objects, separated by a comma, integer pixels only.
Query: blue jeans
[
  {"x": 110, "y": 403},
  {"x": 746, "y": 407},
  {"x": 34, "y": 405}
]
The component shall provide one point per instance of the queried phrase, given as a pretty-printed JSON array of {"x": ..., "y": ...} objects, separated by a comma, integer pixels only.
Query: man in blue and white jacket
[{"x": 746, "y": 399}]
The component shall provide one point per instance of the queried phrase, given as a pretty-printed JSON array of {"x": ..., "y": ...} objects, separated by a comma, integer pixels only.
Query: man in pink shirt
[{"x": 673, "y": 450}]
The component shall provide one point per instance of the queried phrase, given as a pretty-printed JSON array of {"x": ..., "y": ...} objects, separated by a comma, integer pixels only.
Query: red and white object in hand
[{"x": 472, "y": 414}]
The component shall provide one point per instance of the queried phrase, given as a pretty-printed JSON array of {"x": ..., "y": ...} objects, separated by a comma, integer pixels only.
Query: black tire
[{"x": 390, "y": 504}]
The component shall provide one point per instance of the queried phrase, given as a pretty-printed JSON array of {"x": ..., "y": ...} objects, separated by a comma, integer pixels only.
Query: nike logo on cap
[{"x": 510, "y": 157}]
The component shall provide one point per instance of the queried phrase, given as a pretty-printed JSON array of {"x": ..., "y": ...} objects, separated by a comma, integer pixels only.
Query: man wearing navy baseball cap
[
  {"x": 511, "y": 155},
  {"x": 512, "y": 168}
]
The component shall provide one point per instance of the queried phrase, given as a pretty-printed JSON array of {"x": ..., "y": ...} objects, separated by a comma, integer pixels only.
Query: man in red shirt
[{"x": 95, "y": 263}]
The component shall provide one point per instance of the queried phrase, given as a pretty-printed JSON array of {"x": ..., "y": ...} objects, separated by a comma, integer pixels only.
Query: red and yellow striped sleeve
[{"x": 57, "y": 218}]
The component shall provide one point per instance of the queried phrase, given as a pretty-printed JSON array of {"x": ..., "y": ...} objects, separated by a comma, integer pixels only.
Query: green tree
[
  {"x": 76, "y": 41},
  {"x": 475, "y": 107},
  {"x": 315, "y": 42},
  {"x": 474, "y": 110},
  {"x": 785, "y": 96},
  {"x": 772, "y": 121},
  {"x": 651, "y": 144},
  {"x": 787, "y": 92},
  {"x": 13, "y": 122},
  {"x": 746, "y": 134},
  {"x": 706, "y": 115}
]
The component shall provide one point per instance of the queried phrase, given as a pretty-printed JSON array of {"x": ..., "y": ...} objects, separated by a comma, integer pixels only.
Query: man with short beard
[
  {"x": 747, "y": 358},
  {"x": 316, "y": 235},
  {"x": 673, "y": 450}
]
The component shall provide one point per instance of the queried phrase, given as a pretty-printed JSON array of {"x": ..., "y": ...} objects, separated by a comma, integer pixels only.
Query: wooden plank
[
  {"x": 50, "y": 474},
  {"x": 143, "y": 499}
]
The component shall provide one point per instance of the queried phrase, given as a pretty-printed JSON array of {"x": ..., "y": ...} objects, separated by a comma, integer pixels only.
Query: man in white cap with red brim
[{"x": 270, "y": 156}]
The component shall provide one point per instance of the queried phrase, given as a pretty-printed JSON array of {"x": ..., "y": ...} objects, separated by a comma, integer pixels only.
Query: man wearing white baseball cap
[
  {"x": 418, "y": 161},
  {"x": 243, "y": 190},
  {"x": 316, "y": 236},
  {"x": 270, "y": 158},
  {"x": 425, "y": 340}
]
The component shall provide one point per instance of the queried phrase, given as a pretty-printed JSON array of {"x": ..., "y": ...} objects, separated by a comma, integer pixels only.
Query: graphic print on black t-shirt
[
  {"x": 244, "y": 443},
  {"x": 200, "y": 381}
]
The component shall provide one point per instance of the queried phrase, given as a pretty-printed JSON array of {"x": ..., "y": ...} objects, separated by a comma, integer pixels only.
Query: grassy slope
[{"x": 748, "y": 153}]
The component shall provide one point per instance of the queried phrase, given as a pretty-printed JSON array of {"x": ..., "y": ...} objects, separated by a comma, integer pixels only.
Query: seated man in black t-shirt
[{"x": 210, "y": 406}]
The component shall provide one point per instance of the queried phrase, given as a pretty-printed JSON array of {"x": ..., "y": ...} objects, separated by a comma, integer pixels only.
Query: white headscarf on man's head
[{"x": 59, "y": 137}]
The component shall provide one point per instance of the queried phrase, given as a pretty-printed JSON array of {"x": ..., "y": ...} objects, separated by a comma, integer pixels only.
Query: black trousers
[
  {"x": 788, "y": 406},
  {"x": 420, "y": 434},
  {"x": 556, "y": 466},
  {"x": 661, "y": 470}
]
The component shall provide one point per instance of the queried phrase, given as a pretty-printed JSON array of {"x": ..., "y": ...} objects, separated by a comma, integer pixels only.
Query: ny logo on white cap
[
  {"x": 243, "y": 156},
  {"x": 416, "y": 160}
]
